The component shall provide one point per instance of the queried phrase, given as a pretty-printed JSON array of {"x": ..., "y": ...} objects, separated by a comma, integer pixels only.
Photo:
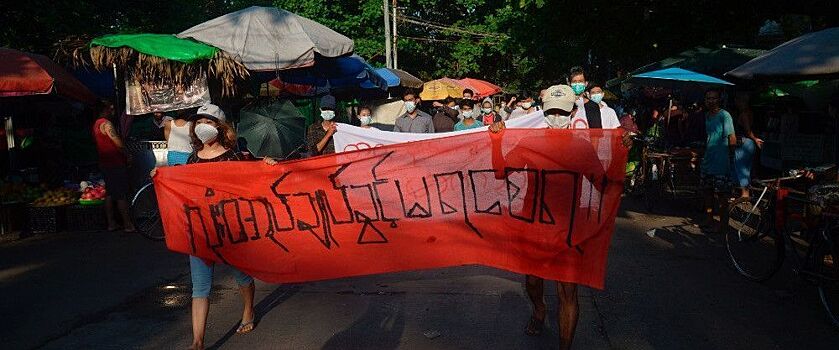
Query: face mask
[
  {"x": 410, "y": 106},
  {"x": 467, "y": 114},
  {"x": 596, "y": 98},
  {"x": 526, "y": 105},
  {"x": 486, "y": 110},
  {"x": 365, "y": 119},
  {"x": 558, "y": 121},
  {"x": 206, "y": 133},
  {"x": 578, "y": 88},
  {"x": 327, "y": 115}
]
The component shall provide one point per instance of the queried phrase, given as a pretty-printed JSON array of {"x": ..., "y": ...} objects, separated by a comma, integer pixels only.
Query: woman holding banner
[{"x": 213, "y": 140}]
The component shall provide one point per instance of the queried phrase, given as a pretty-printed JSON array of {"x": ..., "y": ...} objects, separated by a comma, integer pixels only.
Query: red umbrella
[
  {"x": 481, "y": 88},
  {"x": 23, "y": 73}
]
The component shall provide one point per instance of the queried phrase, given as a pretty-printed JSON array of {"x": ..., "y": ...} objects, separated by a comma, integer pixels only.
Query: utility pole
[
  {"x": 389, "y": 61},
  {"x": 395, "y": 55}
]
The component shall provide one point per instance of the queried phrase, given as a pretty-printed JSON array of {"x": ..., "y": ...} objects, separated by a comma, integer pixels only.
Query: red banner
[{"x": 540, "y": 202}]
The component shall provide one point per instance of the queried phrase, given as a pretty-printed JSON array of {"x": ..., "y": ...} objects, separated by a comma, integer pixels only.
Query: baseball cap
[
  {"x": 559, "y": 97},
  {"x": 212, "y": 111},
  {"x": 327, "y": 102}
]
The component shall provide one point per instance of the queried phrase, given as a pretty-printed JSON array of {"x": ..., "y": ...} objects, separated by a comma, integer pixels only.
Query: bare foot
[{"x": 197, "y": 346}]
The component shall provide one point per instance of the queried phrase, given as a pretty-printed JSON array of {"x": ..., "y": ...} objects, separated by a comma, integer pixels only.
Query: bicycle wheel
[
  {"x": 755, "y": 248},
  {"x": 145, "y": 213},
  {"x": 827, "y": 269}
]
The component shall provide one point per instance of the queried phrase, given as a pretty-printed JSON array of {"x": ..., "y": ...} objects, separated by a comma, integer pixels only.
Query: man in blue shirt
[{"x": 716, "y": 164}]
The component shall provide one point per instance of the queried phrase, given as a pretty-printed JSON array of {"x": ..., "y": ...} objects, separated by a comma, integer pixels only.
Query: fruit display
[
  {"x": 11, "y": 192},
  {"x": 57, "y": 197},
  {"x": 92, "y": 192}
]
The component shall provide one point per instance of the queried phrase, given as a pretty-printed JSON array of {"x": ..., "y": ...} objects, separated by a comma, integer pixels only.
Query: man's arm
[{"x": 396, "y": 127}]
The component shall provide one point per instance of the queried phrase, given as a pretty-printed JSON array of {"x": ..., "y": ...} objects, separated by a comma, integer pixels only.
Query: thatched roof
[{"x": 152, "y": 69}]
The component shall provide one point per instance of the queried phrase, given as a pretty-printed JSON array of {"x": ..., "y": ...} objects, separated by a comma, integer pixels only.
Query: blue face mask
[
  {"x": 578, "y": 88},
  {"x": 596, "y": 98}
]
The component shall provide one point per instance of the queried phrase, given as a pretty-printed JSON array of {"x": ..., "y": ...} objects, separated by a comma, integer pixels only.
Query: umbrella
[
  {"x": 480, "y": 88},
  {"x": 336, "y": 72},
  {"x": 273, "y": 129},
  {"x": 406, "y": 79},
  {"x": 671, "y": 75},
  {"x": 268, "y": 38},
  {"x": 811, "y": 56},
  {"x": 277, "y": 86},
  {"x": 23, "y": 74},
  {"x": 390, "y": 78},
  {"x": 441, "y": 88}
]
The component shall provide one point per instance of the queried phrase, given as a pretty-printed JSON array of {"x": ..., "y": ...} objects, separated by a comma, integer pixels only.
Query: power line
[{"x": 417, "y": 21}]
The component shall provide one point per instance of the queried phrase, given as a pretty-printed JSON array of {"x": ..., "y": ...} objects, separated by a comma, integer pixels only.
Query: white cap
[
  {"x": 559, "y": 97},
  {"x": 212, "y": 111}
]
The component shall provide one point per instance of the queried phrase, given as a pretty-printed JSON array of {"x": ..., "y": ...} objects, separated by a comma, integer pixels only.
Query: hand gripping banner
[{"x": 531, "y": 201}]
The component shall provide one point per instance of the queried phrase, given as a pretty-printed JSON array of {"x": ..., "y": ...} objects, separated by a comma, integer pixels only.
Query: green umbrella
[{"x": 272, "y": 128}]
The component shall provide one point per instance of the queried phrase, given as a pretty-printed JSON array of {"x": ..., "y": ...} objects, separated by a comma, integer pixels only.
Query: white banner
[{"x": 351, "y": 138}]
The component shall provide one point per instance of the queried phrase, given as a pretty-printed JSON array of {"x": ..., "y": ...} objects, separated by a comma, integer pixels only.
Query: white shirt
[{"x": 608, "y": 116}]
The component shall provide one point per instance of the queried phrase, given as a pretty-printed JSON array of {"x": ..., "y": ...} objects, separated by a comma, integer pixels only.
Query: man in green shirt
[{"x": 716, "y": 164}]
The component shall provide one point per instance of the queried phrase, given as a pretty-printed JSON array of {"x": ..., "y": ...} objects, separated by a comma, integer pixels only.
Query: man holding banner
[{"x": 559, "y": 107}]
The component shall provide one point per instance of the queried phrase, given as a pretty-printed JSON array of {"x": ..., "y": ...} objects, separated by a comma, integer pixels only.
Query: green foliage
[{"x": 519, "y": 44}]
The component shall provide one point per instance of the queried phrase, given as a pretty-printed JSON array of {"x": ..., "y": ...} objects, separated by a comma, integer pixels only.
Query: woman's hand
[
  {"x": 758, "y": 142},
  {"x": 153, "y": 172},
  {"x": 270, "y": 161},
  {"x": 331, "y": 129}
]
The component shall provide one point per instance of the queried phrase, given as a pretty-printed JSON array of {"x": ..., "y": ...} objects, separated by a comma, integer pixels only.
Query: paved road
[{"x": 671, "y": 290}]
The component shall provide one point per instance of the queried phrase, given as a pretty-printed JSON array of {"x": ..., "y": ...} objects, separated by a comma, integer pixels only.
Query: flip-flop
[
  {"x": 241, "y": 329},
  {"x": 534, "y": 327}
]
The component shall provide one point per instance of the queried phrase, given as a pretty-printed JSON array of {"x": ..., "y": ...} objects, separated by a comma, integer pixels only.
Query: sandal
[
  {"x": 534, "y": 326},
  {"x": 243, "y": 327}
]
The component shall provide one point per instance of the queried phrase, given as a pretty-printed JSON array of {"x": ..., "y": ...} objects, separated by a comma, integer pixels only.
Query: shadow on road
[
  {"x": 380, "y": 327},
  {"x": 277, "y": 297}
]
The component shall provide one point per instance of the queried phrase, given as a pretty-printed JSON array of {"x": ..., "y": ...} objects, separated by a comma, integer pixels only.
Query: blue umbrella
[
  {"x": 336, "y": 72},
  {"x": 684, "y": 75},
  {"x": 390, "y": 78}
]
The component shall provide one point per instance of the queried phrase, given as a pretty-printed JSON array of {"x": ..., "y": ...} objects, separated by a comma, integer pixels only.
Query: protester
[
  {"x": 365, "y": 117},
  {"x": 488, "y": 116},
  {"x": 468, "y": 121},
  {"x": 608, "y": 116},
  {"x": 527, "y": 107},
  {"x": 588, "y": 112},
  {"x": 746, "y": 143},
  {"x": 719, "y": 149},
  {"x": 178, "y": 144},
  {"x": 319, "y": 136},
  {"x": 213, "y": 140},
  {"x": 559, "y": 106},
  {"x": 113, "y": 163},
  {"x": 414, "y": 120},
  {"x": 446, "y": 116},
  {"x": 468, "y": 94},
  {"x": 508, "y": 108}
]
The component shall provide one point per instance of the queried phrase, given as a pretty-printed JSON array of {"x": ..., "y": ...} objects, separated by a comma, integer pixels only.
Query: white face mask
[
  {"x": 365, "y": 119},
  {"x": 486, "y": 110},
  {"x": 558, "y": 121},
  {"x": 467, "y": 114},
  {"x": 206, "y": 133},
  {"x": 327, "y": 115},
  {"x": 410, "y": 106},
  {"x": 526, "y": 105}
]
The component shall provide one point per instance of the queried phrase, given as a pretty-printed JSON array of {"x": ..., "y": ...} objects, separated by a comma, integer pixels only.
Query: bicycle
[
  {"x": 759, "y": 234},
  {"x": 660, "y": 175},
  {"x": 146, "y": 215}
]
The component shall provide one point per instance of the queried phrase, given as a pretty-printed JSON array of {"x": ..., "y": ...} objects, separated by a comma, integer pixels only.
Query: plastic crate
[
  {"x": 46, "y": 219},
  {"x": 80, "y": 218}
]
